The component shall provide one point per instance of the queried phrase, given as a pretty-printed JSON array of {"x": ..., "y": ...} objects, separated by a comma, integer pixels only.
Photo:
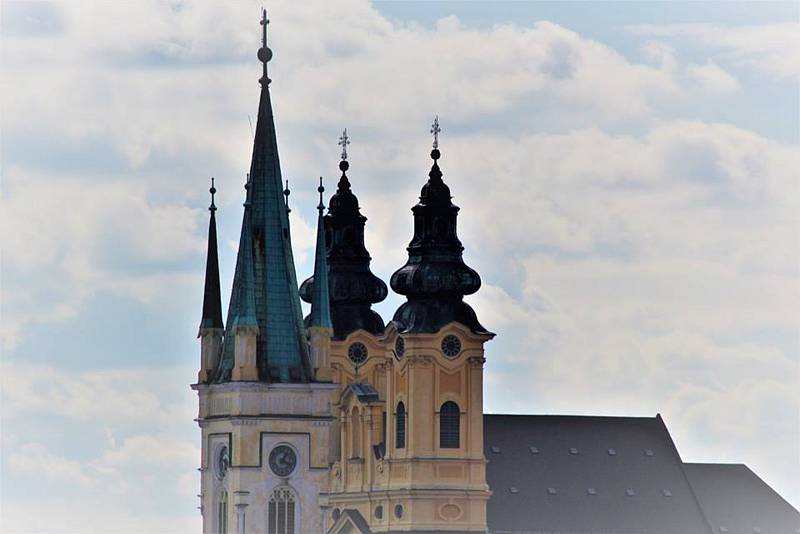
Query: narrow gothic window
[
  {"x": 400, "y": 431},
  {"x": 222, "y": 513},
  {"x": 281, "y": 511},
  {"x": 449, "y": 425}
]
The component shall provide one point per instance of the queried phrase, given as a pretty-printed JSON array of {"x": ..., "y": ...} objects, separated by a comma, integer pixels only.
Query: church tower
[
  {"x": 411, "y": 405},
  {"x": 264, "y": 391}
]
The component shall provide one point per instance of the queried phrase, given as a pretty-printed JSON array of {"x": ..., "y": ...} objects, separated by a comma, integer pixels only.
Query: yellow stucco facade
[{"x": 419, "y": 484}]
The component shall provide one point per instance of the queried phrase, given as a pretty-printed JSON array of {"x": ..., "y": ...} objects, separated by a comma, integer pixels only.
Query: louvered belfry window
[
  {"x": 449, "y": 425},
  {"x": 281, "y": 512},
  {"x": 400, "y": 430}
]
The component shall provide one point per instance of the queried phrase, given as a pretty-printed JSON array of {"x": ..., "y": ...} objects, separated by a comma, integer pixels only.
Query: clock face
[
  {"x": 399, "y": 347},
  {"x": 282, "y": 460},
  {"x": 223, "y": 461},
  {"x": 357, "y": 352},
  {"x": 451, "y": 346}
]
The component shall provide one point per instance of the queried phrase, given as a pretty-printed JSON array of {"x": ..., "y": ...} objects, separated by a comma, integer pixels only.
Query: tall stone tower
[{"x": 265, "y": 397}]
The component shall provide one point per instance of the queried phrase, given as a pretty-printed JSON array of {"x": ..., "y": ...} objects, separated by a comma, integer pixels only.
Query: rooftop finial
[
  {"x": 435, "y": 130},
  {"x": 264, "y": 53},
  {"x": 320, "y": 189},
  {"x": 286, "y": 193},
  {"x": 344, "y": 140},
  {"x": 212, "y": 208}
]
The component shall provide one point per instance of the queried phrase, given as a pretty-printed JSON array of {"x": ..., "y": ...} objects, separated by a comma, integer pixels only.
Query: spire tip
[
  {"x": 264, "y": 53},
  {"x": 320, "y": 190},
  {"x": 212, "y": 208}
]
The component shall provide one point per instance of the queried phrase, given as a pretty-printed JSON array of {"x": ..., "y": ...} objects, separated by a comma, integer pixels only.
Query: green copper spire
[
  {"x": 320, "y": 301},
  {"x": 266, "y": 283},
  {"x": 244, "y": 310}
]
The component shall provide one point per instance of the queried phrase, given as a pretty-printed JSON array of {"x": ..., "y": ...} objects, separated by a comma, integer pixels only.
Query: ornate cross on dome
[
  {"x": 435, "y": 130},
  {"x": 344, "y": 140}
]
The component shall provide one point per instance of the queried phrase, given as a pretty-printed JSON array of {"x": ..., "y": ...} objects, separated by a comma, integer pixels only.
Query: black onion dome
[
  {"x": 435, "y": 277},
  {"x": 352, "y": 286}
]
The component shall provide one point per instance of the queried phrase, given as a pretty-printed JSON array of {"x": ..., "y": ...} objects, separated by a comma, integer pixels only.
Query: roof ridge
[{"x": 574, "y": 416}]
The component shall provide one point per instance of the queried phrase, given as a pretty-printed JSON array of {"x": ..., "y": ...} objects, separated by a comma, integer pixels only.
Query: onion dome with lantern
[
  {"x": 352, "y": 286},
  {"x": 435, "y": 278}
]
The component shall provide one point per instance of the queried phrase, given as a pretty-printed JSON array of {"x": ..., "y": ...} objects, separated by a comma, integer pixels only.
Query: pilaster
[
  {"x": 320, "y": 344},
  {"x": 210, "y": 346},
  {"x": 245, "y": 367}
]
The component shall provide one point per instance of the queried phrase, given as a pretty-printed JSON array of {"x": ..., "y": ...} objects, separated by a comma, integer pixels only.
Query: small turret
[
  {"x": 243, "y": 323},
  {"x": 320, "y": 328},
  {"x": 211, "y": 327}
]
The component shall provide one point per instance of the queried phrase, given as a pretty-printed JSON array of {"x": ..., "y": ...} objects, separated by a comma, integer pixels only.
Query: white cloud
[
  {"x": 68, "y": 239},
  {"x": 33, "y": 459},
  {"x": 100, "y": 514},
  {"x": 771, "y": 49},
  {"x": 712, "y": 78},
  {"x": 137, "y": 482},
  {"x": 101, "y": 396},
  {"x": 661, "y": 54},
  {"x": 149, "y": 460}
]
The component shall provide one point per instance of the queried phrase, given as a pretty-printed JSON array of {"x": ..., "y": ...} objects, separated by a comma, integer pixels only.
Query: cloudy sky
[{"x": 627, "y": 174}]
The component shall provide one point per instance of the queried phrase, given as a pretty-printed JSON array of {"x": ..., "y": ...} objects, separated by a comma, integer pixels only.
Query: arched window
[
  {"x": 281, "y": 510},
  {"x": 400, "y": 426},
  {"x": 355, "y": 433},
  {"x": 222, "y": 513},
  {"x": 449, "y": 425}
]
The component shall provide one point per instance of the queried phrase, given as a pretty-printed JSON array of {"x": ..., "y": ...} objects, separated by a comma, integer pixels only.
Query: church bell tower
[
  {"x": 264, "y": 387},
  {"x": 411, "y": 405}
]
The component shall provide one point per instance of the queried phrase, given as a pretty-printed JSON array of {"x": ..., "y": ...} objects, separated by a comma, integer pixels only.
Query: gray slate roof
[
  {"x": 556, "y": 474},
  {"x": 580, "y": 474},
  {"x": 735, "y": 500}
]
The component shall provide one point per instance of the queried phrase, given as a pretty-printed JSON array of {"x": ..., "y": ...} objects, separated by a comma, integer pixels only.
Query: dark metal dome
[
  {"x": 435, "y": 277},
  {"x": 353, "y": 287}
]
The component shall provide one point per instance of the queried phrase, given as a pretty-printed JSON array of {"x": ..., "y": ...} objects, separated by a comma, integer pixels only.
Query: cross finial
[
  {"x": 435, "y": 130},
  {"x": 264, "y": 22},
  {"x": 344, "y": 140},
  {"x": 212, "y": 208},
  {"x": 264, "y": 53}
]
